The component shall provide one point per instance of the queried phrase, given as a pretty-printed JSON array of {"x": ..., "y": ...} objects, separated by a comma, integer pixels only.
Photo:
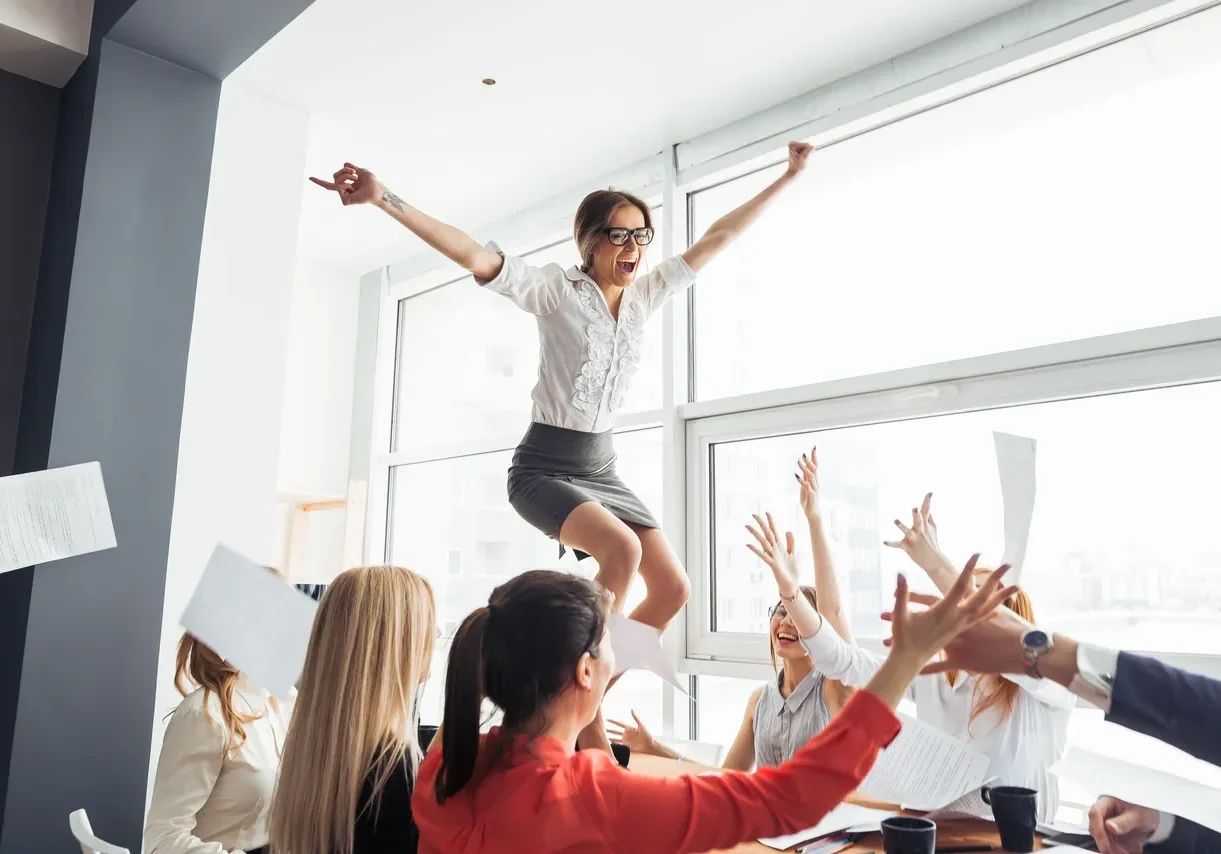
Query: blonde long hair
[
  {"x": 355, "y": 715},
  {"x": 199, "y": 663},
  {"x": 836, "y": 692},
  {"x": 996, "y": 692}
]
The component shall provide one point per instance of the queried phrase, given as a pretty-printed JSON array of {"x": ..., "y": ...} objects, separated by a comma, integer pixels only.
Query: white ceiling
[{"x": 583, "y": 88}]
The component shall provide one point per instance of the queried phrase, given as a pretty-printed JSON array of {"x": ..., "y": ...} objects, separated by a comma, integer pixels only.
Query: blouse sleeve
[
  {"x": 700, "y": 813},
  {"x": 191, "y": 757},
  {"x": 1044, "y": 690},
  {"x": 533, "y": 289},
  {"x": 670, "y": 278}
]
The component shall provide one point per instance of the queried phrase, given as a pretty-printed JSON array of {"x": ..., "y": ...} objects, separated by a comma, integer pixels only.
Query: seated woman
[
  {"x": 349, "y": 763},
  {"x": 540, "y": 652},
  {"x": 1019, "y": 722},
  {"x": 218, "y": 760},
  {"x": 787, "y": 712}
]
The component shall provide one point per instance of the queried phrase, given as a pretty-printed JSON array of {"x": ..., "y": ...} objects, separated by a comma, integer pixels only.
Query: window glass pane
[
  {"x": 1118, "y": 554},
  {"x": 467, "y": 361},
  {"x": 1005, "y": 220},
  {"x": 451, "y": 521},
  {"x": 720, "y": 707}
]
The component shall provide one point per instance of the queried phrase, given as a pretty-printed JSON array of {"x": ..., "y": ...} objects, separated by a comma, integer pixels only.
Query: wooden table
[{"x": 971, "y": 831}]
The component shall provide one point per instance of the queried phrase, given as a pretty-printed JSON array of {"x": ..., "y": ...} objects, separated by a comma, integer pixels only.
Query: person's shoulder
[{"x": 752, "y": 702}]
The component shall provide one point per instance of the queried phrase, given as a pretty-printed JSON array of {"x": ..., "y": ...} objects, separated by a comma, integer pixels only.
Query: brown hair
[
  {"x": 836, "y": 692},
  {"x": 355, "y": 718},
  {"x": 520, "y": 652},
  {"x": 996, "y": 691},
  {"x": 594, "y": 214},
  {"x": 199, "y": 662}
]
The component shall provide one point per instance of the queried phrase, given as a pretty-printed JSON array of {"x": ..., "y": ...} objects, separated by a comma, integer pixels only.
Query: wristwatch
[{"x": 1035, "y": 645}]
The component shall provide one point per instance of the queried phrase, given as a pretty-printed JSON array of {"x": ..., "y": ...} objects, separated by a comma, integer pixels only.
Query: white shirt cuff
[
  {"x": 1095, "y": 675},
  {"x": 1165, "y": 826}
]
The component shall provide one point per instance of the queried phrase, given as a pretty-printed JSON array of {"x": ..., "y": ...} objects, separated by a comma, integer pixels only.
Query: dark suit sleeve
[
  {"x": 1189, "y": 838},
  {"x": 1169, "y": 704}
]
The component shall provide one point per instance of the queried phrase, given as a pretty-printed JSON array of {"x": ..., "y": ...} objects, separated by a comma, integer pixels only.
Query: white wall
[
  {"x": 228, "y": 456},
  {"x": 317, "y": 413}
]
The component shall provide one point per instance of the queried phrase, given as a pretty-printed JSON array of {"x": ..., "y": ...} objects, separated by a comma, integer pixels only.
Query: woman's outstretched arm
[
  {"x": 357, "y": 186},
  {"x": 727, "y": 229}
]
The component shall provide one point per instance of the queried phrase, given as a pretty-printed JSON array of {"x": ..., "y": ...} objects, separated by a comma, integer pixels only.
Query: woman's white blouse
[
  {"x": 587, "y": 358},
  {"x": 1021, "y": 748},
  {"x": 204, "y": 800}
]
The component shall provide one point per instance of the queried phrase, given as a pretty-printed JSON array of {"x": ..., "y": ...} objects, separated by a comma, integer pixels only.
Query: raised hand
[
  {"x": 1120, "y": 827},
  {"x": 920, "y": 540},
  {"x": 636, "y": 737},
  {"x": 807, "y": 479},
  {"x": 781, "y": 558},
  {"x": 354, "y": 185},
  {"x": 799, "y": 153},
  {"x": 924, "y": 633}
]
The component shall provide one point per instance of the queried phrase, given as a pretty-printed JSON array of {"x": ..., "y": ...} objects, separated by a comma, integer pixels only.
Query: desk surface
[{"x": 949, "y": 832}]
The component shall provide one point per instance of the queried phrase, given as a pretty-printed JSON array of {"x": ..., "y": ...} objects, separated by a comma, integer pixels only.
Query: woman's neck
[
  {"x": 794, "y": 672},
  {"x": 613, "y": 294}
]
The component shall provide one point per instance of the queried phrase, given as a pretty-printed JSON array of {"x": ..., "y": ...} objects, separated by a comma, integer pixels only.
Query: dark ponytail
[
  {"x": 521, "y": 651},
  {"x": 463, "y": 703}
]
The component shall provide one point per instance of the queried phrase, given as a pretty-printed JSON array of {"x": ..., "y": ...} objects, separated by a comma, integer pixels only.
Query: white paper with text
[
  {"x": 54, "y": 514},
  {"x": 924, "y": 769}
]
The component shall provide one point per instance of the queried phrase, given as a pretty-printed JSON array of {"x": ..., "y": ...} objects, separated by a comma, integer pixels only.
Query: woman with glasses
[
  {"x": 1019, "y": 722},
  {"x": 591, "y": 322},
  {"x": 785, "y": 713}
]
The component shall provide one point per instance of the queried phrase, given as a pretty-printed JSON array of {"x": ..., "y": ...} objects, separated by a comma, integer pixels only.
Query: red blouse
[{"x": 542, "y": 797}]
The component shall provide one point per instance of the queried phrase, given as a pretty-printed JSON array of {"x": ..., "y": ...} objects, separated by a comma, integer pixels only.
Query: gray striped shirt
[{"x": 783, "y": 725}]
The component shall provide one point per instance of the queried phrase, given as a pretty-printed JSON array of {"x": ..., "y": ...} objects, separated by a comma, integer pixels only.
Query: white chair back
[{"x": 90, "y": 844}]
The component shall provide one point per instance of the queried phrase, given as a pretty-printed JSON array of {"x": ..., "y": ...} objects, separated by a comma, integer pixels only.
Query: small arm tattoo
[{"x": 393, "y": 200}]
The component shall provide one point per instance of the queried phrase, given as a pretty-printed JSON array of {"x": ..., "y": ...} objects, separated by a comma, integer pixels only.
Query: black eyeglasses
[
  {"x": 777, "y": 610},
  {"x": 619, "y": 236}
]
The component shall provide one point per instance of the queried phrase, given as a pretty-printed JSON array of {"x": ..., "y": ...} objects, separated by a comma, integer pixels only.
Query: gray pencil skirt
[{"x": 555, "y": 470}]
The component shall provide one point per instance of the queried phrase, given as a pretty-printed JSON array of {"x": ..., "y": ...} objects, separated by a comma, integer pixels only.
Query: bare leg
[
  {"x": 595, "y": 530},
  {"x": 667, "y": 586}
]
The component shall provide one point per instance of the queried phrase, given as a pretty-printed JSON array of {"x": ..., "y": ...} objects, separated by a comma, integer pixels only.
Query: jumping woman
[{"x": 591, "y": 320}]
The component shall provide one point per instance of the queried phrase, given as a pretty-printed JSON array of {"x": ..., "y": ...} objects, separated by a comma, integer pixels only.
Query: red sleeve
[{"x": 701, "y": 813}]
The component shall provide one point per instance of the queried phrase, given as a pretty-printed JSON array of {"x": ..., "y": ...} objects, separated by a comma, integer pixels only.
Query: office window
[
  {"x": 1000, "y": 221},
  {"x": 1119, "y": 551}
]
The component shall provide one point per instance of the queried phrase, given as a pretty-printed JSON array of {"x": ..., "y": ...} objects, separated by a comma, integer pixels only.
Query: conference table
[{"x": 950, "y": 833}]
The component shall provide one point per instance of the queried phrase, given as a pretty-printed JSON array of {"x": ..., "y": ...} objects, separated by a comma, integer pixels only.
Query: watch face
[{"x": 1035, "y": 639}]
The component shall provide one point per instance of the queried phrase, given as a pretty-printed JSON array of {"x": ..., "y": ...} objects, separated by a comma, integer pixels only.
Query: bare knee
[
  {"x": 618, "y": 560},
  {"x": 673, "y": 588}
]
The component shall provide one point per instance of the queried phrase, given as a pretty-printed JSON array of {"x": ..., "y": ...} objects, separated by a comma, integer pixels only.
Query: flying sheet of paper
[
  {"x": 924, "y": 769},
  {"x": 848, "y": 817},
  {"x": 638, "y": 647},
  {"x": 1137, "y": 784},
  {"x": 53, "y": 514},
  {"x": 253, "y": 619},
  {"x": 1015, "y": 462}
]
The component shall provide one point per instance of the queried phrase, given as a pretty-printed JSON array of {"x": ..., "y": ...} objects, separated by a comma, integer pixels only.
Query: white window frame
[
  {"x": 1178, "y": 354},
  {"x": 1026, "y": 40}
]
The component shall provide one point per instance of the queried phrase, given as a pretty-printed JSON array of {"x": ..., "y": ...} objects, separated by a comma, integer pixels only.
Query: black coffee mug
[
  {"x": 906, "y": 835},
  {"x": 1015, "y": 811}
]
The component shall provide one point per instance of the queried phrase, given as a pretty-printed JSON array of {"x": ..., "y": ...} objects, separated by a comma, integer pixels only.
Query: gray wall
[
  {"x": 104, "y": 380},
  {"x": 27, "y": 148}
]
